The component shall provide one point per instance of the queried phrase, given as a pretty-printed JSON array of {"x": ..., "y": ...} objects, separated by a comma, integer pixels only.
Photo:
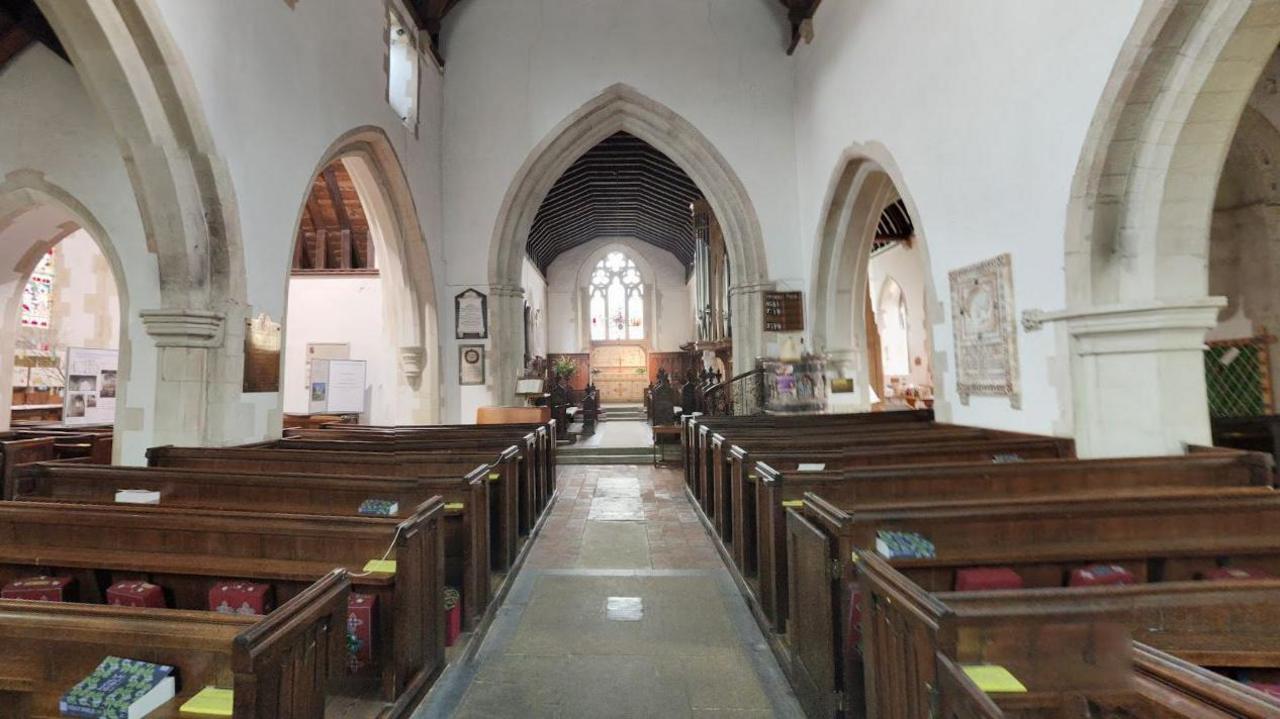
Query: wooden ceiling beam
[{"x": 335, "y": 194}]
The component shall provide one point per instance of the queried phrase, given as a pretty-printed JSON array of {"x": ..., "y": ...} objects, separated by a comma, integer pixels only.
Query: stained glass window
[
  {"x": 617, "y": 299},
  {"x": 37, "y": 296}
]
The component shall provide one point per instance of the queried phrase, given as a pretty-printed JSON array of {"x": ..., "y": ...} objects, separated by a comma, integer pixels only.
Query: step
[
  {"x": 646, "y": 458},
  {"x": 577, "y": 449}
]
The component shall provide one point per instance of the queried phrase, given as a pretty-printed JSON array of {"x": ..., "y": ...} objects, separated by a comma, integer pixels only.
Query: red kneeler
[
  {"x": 135, "y": 594},
  {"x": 1227, "y": 574},
  {"x": 1100, "y": 575},
  {"x": 40, "y": 589},
  {"x": 981, "y": 579}
]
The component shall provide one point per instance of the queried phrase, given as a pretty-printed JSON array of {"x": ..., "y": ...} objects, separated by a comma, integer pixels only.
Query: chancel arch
[
  {"x": 620, "y": 109},
  {"x": 360, "y": 275},
  {"x": 867, "y": 214},
  {"x": 1138, "y": 225}
]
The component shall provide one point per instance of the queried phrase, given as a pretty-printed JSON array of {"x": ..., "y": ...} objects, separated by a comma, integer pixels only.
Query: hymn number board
[{"x": 783, "y": 312}]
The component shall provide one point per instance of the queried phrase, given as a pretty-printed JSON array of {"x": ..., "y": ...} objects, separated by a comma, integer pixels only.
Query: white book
[
  {"x": 137, "y": 496},
  {"x": 810, "y": 467},
  {"x": 152, "y": 700}
]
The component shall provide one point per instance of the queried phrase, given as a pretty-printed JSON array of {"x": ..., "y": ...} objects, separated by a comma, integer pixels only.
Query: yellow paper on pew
[
  {"x": 381, "y": 566},
  {"x": 494, "y": 476},
  {"x": 994, "y": 679},
  {"x": 209, "y": 702},
  {"x": 451, "y": 506},
  {"x": 794, "y": 503}
]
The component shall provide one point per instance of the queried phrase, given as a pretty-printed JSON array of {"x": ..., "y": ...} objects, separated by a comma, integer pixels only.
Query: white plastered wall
[
  {"x": 279, "y": 85},
  {"x": 517, "y": 69},
  {"x": 55, "y": 141},
  {"x": 536, "y": 295},
  {"x": 669, "y": 323},
  {"x": 86, "y": 306},
  {"x": 985, "y": 116},
  {"x": 905, "y": 265}
]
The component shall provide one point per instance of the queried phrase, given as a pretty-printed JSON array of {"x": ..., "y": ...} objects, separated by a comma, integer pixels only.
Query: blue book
[
  {"x": 903, "y": 545},
  {"x": 119, "y": 689},
  {"x": 379, "y": 507}
]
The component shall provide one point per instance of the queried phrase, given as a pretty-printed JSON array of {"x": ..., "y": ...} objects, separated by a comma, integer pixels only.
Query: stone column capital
[
  {"x": 412, "y": 362},
  {"x": 184, "y": 328},
  {"x": 506, "y": 291},
  {"x": 1173, "y": 326}
]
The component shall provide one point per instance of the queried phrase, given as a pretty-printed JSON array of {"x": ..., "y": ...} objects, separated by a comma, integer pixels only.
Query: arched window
[
  {"x": 617, "y": 299},
  {"x": 894, "y": 346}
]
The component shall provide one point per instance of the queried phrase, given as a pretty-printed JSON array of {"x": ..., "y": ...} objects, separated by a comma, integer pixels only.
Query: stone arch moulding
[
  {"x": 404, "y": 266},
  {"x": 622, "y": 108},
  {"x": 866, "y": 180},
  {"x": 132, "y": 69},
  {"x": 1138, "y": 223},
  {"x": 21, "y": 192},
  {"x": 648, "y": 277}
]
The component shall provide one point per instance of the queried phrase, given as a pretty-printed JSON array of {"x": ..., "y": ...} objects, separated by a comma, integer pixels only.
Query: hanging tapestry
[
  {"x": 986, "y": 336},
  {"x": 37, "y": 296}
]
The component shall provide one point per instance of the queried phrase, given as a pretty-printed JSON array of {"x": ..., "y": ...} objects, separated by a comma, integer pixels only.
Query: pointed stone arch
[
  {"x": 1138, "y": 223},
  {"x": 865, "y": 181},
  {"x": 621, "y": 108},
  {"x": 404, "y": 266}
]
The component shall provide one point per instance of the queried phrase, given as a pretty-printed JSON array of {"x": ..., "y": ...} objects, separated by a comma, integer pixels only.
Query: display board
[
  {"x": 91, "y": 384},
  {"x": 783, "y": 312},
  {"x": 337, "y": 386}
]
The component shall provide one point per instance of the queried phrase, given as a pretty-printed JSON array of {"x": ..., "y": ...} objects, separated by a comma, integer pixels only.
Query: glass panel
[
  {"x": 635, "y": 315},
  {"x": 599, "y": 316},
  {"x": 617, "y": 319}
]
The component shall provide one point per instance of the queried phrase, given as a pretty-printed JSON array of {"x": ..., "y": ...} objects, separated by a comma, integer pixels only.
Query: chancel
[{"x": 858, "y": 359}]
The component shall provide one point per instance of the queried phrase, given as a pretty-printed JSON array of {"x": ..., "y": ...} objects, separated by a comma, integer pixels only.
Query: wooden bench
[
  {"x": 510, "y": 513},
  {"x": 858, "y": 492},
  {"x": 465, "y": 523},
  {"x": 278, "y": 666},
  {"x": 1221, "y": 624},
  {"x": 187, "y": 551}
]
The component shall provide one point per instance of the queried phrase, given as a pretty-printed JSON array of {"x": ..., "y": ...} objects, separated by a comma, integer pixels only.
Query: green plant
[{"x": 564, "y": 367}]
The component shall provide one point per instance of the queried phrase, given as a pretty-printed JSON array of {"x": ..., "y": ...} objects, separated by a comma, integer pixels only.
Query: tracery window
[
  {"x": 617, "y": 299},
  {"x": 37, "y": 295},
  {"x": 895, "y": 347}
]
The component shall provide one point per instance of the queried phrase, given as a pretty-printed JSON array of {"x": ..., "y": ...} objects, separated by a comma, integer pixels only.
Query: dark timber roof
[
  {"x": 623, "y": 187},
  {"x": 21, "y": 24},
  {"x": 895, "y": 226}
]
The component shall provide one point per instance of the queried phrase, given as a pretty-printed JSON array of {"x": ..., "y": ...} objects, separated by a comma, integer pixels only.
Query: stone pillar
[
  {"x": 506, "y": 341},
  {"x": 747, "y": 318},
  {"x": 1137, "y": 372},
  {"x": 200, "y": 363}
]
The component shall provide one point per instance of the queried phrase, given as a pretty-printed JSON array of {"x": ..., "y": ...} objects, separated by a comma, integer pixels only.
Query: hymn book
[{"x": 119, "y": 689}]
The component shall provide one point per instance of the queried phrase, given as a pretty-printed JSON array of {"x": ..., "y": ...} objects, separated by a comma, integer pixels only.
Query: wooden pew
[
  {"x": 510, "y": 514},
  {"x": 187, "y": 551},
  {"x": 466, "y": 529},
  {"x": 279, "y": 666},
  {"x": 1160, "y": 539},
  {"x": 695, "y": 428},
  {"x": 733, "y": 503},
  {"x": 1031, "y": 633},
  {"x": 536, "y": 443},
  {"x": 858, "y": 490}
]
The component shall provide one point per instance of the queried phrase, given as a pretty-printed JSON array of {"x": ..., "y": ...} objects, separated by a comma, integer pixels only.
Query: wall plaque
[
  {"x": 470, "y": 364},
  {"x": 986, "y": 337},
  {"x": 783, "y": 312},
  {"x": 471, "y": 315},
  {"x": 261, "y": 354}
]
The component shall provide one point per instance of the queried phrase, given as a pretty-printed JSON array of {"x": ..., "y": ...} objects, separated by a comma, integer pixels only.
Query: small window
[{"x": 402, "y": 71}]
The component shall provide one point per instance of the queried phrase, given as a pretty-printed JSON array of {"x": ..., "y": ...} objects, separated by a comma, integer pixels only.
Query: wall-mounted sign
[
  {"x": 91, "y": 386},
  {"x": 783, "y": 312},
  {"x": 471, "y": 315},
  {"x": 337, "y": 385},
  {"x": 470, "y": 364},
  {"x": 261, "y": 354}
]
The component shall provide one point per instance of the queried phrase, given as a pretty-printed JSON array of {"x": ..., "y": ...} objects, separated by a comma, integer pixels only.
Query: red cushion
[
  {"x": 1096, "y": 575},
  {"x": 1268, "y": 689},
  {"x": 979, "y": 579},
  {"x": 234, "y": 597},
  {"x": 39, "y": 589},
  {"x": 1233, "y": 573},
  {"x": 135, "y": 594}
]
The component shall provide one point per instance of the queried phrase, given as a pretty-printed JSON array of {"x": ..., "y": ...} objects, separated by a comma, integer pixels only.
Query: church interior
[{"x": 861, "y": 359}]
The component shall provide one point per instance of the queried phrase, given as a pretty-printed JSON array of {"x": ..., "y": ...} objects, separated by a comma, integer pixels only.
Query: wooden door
[{"x": 811, "y": 627}]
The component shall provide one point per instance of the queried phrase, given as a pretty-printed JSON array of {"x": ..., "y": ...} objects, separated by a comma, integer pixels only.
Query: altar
[{"x": 620, "y": 372}]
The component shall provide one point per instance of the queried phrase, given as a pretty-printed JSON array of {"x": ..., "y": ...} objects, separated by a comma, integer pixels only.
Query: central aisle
[{"x": 623, "y": 609}]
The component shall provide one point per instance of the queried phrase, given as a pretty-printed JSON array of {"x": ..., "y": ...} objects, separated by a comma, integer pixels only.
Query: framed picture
[
  {"x": 471, "y": 315},
  {"x": 986, "y": 333},
  {"x": 470, "y": 364}
]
